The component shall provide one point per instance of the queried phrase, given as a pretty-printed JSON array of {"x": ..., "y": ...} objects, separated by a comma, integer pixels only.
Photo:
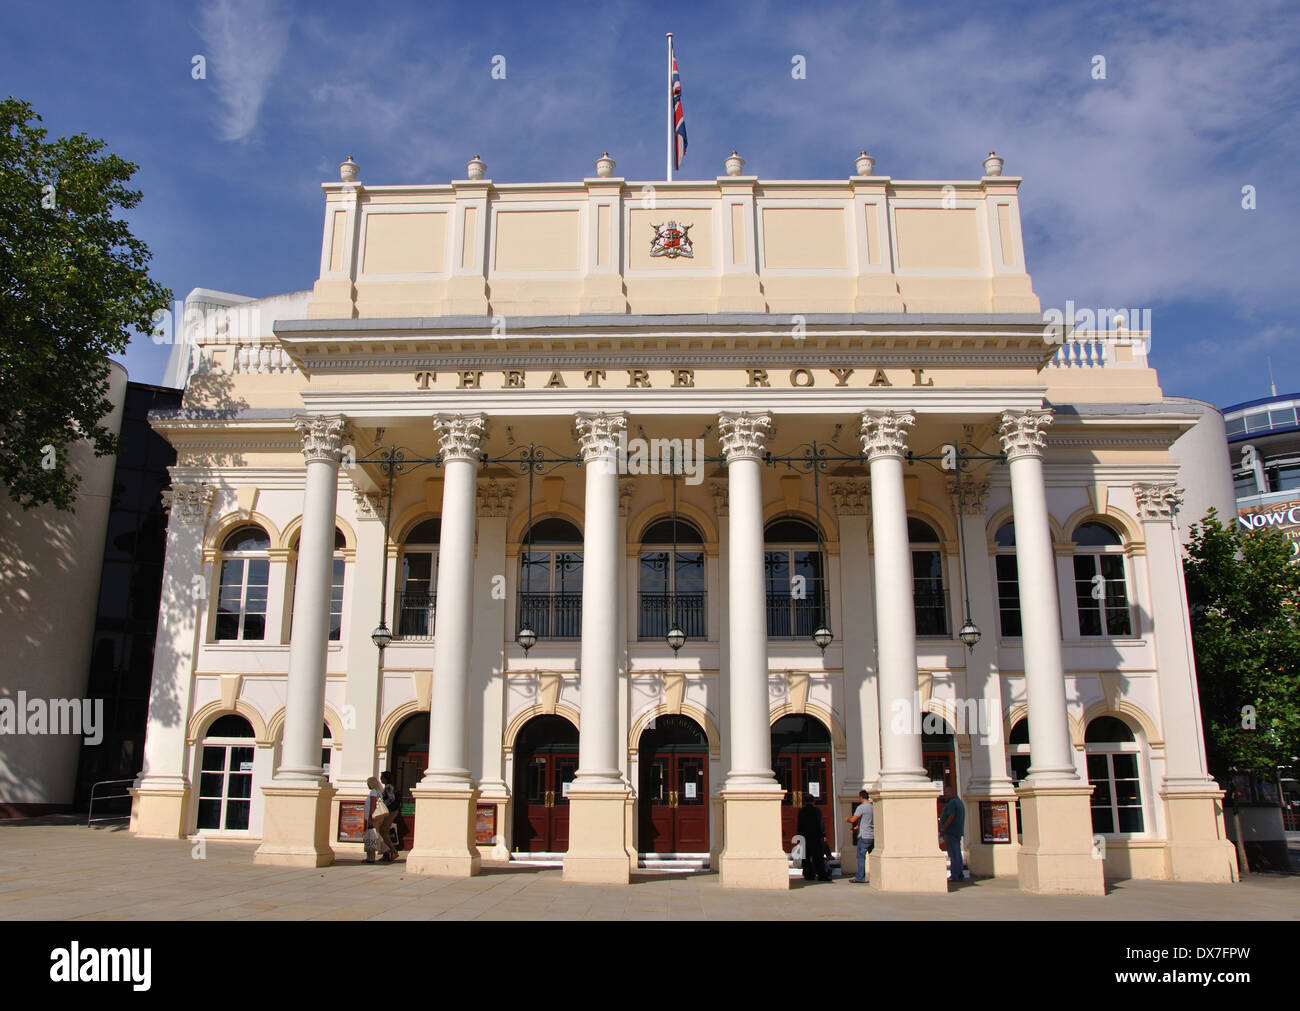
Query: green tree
[
  {"x": 1243, "y": 589},
  {"x": 73, "y": 289}
]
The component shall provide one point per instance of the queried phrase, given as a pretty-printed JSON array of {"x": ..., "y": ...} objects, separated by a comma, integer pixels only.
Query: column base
[
  {"x": 991, "y": 860},
  {"x": 159, "y": 812},
  {"x": 444, "y": 833},
  {"x": 752, "y": 856},
  {"x": 296, "y": 826},
  {"x": 1198, "y": 848},
  {"x": 1057, "y": 856},
  {"x": 600, "y": 843},
  {"x": 907, "y": 857}
]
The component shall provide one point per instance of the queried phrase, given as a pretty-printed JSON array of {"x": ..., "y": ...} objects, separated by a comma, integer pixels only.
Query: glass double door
[
  {"x": 674, "y": 802},
  {"x": 543, "y": 820}
]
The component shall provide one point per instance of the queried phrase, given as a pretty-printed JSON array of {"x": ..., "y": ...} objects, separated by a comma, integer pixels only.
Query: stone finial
[
  {"x": 475, "y": 168},
  {"x": 992, "y": 165},
  {"x": 734, "y": 164},
  {"x": 348, "y": 170},
  {"x": 605, "y": 166},
  {"x": 865, "y": 164}
]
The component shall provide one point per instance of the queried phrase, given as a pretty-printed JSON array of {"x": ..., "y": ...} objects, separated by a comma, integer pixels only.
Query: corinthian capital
[
  {"x": 974, "y": 493},
  {"x": 1158, "y": 500},
  {"x": 189, "y": 503},
  {"x": 744, "y": 434},
  {"x": 459, "y": 435},
  {"x": 1023, "y": 433},
  {"x": 886, "y": 434},
  {"x": 323, "y": 436},
  {"x": 599, "y": 434}
]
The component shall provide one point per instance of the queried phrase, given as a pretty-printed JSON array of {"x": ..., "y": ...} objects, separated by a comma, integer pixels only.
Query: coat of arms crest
[{"x": 672, "y": 240}]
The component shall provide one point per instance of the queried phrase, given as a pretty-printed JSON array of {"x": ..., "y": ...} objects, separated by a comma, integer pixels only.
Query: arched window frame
[
  {"x": 1114, "y": 768},
  {"x": 1018, "y": 761},
  {"x": 788, "y": 616},
  {"x": 417, "y": 581},
  {"x": 930, "y": 602},
  {"x": 1006, "y": 576},
  {"x": 225, "y": 778},
  {"x": 243, "y": 586},
  {"x": 1112, "y": 615},
  {"x": 655, "y": 601},
  {"x": 338, "y": 581},
  {"x": 550, "y": 601}
]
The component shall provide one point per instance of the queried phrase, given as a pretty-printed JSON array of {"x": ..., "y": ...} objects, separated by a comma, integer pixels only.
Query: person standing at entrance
[
  {"x": 391, "y": 801},
  {"x": 812, "y": 826},
  {"x": 952, "y": 823},
  {"x": 376, "y": 813},
  {"x": 863, "y": 819}
]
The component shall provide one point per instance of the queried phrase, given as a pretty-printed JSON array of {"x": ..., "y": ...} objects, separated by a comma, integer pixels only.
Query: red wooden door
[
  {"x": 543, "y": 822},
  {"x": 656, "y": 804},
  {"x": 409, "y": 771},
  {"x": 783, "y": 766},
  {"x": 801, "y": 776},
  {"x": 939, "y": 766},
  {"x": 691, "y": 804}
]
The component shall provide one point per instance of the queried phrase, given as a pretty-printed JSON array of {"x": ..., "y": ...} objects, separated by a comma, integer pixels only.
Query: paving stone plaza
[{"x": 56, "y": 869}]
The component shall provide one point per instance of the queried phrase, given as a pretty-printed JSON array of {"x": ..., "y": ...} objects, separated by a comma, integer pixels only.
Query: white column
[
  {"x": 884, "y": 440},
  {"x": 446, "y": 799},
  {"x": 1197, "y": 848},
  {"x": 752, "y": 856},
  {"x": 599, "y": 847},
  {"x": 160, "y": 806},
  {"x": 1057, "y": 856},
  {"x": 907, "y": 855},
  {"x": 295, "y": 830}
]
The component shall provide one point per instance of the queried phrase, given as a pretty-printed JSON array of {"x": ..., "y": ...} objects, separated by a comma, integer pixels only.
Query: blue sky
[{"x": 1132, "y": 192}]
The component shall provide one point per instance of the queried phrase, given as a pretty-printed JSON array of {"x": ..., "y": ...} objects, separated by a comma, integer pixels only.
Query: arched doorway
[
  {"x": 939, "y": 756},
  {"x": 673, "y": 796},
  {"x": 546, "y": 759},
  {"x": 801, "y": 759},
  {"x": 226, "y": 775},
  {"x": 408, "y": 758}
]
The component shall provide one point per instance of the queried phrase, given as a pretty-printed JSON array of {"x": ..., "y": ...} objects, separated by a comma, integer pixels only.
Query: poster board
[
  {"x": 485, "y": 825},
  {"x": 352, "y": 821},
  {"x": 995, "y": 822}
]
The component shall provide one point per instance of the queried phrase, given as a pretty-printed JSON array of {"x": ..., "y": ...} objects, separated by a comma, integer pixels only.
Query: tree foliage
[
  {"x": 1243, "y": 589},
  {"x": 74, "y": 287}
]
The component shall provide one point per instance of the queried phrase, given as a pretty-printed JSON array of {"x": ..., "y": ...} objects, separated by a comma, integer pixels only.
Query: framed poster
[
  {"x": 352, "y": 821},
  {"x": 485, "y": 825},
  {"x": 995, "y": 822}
]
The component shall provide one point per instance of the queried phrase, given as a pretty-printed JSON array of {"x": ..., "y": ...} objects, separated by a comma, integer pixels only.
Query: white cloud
[{"x": 246, "y": 41}]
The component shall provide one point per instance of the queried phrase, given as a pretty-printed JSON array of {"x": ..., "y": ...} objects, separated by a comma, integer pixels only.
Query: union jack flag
[{"x": 679, "y": 118}]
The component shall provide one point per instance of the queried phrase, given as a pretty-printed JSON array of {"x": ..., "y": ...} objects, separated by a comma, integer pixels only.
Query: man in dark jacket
[{"x": 812, "y": 827}]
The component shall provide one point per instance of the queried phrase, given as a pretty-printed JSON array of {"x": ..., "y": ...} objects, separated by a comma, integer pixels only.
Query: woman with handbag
[{"x": 376, "y": 815}]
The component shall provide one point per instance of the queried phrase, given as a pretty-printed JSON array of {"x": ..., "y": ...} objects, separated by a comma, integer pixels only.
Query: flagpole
[{"x": 672, "y": 133}]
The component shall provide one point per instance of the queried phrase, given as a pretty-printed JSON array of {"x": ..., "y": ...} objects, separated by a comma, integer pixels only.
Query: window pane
[
  {"x": 1130, "y": 819},
  {"x": 1008, "y": 594},
  {"x": 1126, "y": 765},
  {"x": 417, "y": 569},
  {"x": 209, "y": 814},
  {"x": 654, "y": 572},
  {"x": 210, "y": 784},
  {"x": 1102, "y": 820},
  {"x": 254, "y": 626},
  {"x": 237, "y": 814},
  {"x": 214, "y": 759}
]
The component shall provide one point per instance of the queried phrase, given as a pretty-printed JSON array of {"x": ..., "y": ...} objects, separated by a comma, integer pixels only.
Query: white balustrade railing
[{"x": 1097, "y": 350}]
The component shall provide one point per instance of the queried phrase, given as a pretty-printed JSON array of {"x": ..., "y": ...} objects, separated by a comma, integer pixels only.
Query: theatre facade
[{"x": 619, "y": 521}]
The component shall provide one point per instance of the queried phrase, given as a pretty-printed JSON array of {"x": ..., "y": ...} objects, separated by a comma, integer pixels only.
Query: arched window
[
  {"x": 795, "y": 575},
  {"x": 1008, "y": 578},
  {"x": 337, "y": 569},
  {"x": 1113, "y": 770},
  {"x": 326, "y": 749},
  {"x": 928, "y": 594},
  {"x": 1100, "y": 588},
  {"x": 226, "y": 775},
  {"x": 550, "y": 580},
  {"x": 664, "y": 584},
  {"x": 245, "y": 571},
  {"x": 417, "y": 586}
]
